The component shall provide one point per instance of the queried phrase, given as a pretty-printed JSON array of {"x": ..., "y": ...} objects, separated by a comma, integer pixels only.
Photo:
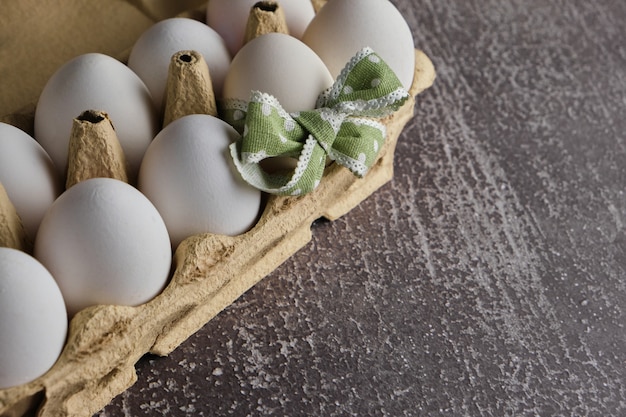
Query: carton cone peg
[
  {"x": 189, "y": 87},
  {"x": 12, "y": 232},
  {"x": 265, "y": 17},
  {"x": 318, "y": 4},
  {"x": 94, "y": 149}
]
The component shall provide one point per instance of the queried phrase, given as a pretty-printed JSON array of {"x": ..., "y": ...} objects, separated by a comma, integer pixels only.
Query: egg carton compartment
[{"x": 210, "y": 272}]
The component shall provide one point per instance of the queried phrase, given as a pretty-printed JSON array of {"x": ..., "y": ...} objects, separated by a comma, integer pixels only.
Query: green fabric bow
[{"x": 341, "y": 127}]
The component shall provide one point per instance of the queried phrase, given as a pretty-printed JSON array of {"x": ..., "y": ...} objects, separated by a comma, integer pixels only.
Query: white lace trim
[
  {"x": 265, "y": 98},
  {"x": 235, "y": 104},
  {"x": 332, "y": 117},
  {"x": 335, "y": 90},
  {"x": 361, "y": 121},
  {"x": 354, "y": 165},
  {"x": 256, "y": 97},
  {"x": 378, "y": 106},
  {"x": 253, "y": 157},
  {"x": 254, "y": 175},
  {"x": 303, "y": 163}
]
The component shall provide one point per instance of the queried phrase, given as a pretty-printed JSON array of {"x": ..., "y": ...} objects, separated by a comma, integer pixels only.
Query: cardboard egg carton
[{"x": 211, "y": 272}]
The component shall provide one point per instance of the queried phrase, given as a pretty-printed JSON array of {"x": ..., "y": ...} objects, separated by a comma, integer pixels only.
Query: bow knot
[{"x": 341, "y": 128}]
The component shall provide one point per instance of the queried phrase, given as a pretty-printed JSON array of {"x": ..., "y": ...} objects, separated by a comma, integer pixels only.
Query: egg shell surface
[
  {"x": 279, "y": 65},
  {"x": 33, "y": 320},
  {"x": 104, "y": 243},
  {"x": 190, "y": 177},
  {"x": 230, "y": 17},
  {"x": 151, "y": 54},
  {"x": 343, "y": 27},
  {"x": 95, "y": 82},
  {"x": 28, "y": 175}
]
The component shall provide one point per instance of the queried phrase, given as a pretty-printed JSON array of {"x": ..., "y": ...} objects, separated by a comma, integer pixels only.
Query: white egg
[
  {"x": 33, "y": 320},
  {"x": 279, "y": 65},
  {"x": 95, "y": 82},
  {"x": 151, "y": 54},
  {"x": 189, "y": 175},
  {"x": 28, "y": 175},
  {"x": 104, "y": 243},
  {"x": 230, "y": 17},
  {"x": 343, "y": 27}
]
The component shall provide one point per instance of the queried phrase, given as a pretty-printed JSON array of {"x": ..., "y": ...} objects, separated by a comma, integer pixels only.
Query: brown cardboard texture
[
  {"x": 37, "y": 37},
  {"x": 211, "y": 271}
]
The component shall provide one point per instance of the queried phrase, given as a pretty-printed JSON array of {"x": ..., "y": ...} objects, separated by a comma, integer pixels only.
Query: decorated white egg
[
  {"x": 33, "y": 320},
  {"x": 343, "y": 27},
  {"x": 104, "y": 243},
  {"x": 279, "y": 65},
  {"x": 189, "y": 175},
  {"x": 151, "y": 54},
  {"x": 28, "y": 175},
  {"x": 95, "y": 82},
  {"x": 229, "y": 18}
]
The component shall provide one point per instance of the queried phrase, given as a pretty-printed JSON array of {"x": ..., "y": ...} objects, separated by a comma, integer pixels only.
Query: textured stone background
[{"x": 488, "y": 279}]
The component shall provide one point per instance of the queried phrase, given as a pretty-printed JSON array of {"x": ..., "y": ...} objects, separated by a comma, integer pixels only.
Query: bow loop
[
  {"x": 269, "y": 131},
  {"x": 340, "y": 128},
  {"x": 366, "y": 87}
]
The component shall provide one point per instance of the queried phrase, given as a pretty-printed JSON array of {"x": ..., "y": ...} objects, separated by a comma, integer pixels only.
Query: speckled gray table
[{"x": 488, "y": 279}]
